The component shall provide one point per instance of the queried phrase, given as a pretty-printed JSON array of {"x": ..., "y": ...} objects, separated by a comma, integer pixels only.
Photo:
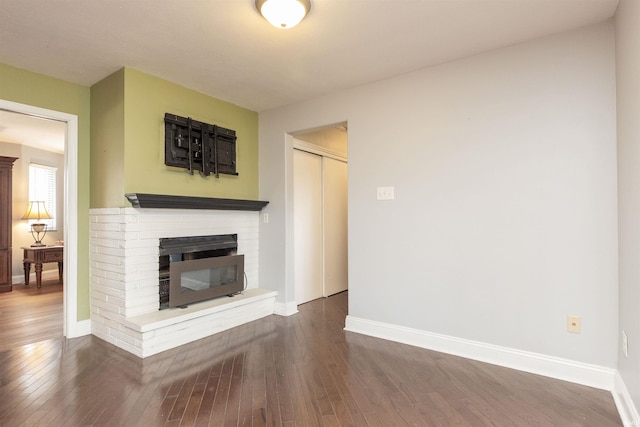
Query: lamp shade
[
  {"x": 37, "y": 210},
  {"x": 283, "y": 13}
]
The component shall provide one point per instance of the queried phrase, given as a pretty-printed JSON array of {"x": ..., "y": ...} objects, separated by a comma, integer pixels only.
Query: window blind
[{"x": 42, "y": 186}]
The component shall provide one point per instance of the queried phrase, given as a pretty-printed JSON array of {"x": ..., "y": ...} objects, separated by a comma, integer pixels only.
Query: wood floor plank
[
  {"x": 193, "y": 405},
  {"x": 208, "y": 398}
]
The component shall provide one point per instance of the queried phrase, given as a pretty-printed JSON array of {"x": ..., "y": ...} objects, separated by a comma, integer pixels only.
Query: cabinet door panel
[
  {"x": 5, "y": 267},
  {"x": 6, "y": 164},
  {"x": 5, "y": 208}
]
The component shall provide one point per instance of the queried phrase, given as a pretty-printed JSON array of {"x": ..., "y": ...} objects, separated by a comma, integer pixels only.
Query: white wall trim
[
  {"x": 319, "y": 150},
  {"x": 286, "y": 308},
  {"x": 627, "y": 410},
  {"x": 70, "y": 291},
  {"x": 80, "y": 329},
  {"x": 550, "y": 366}
]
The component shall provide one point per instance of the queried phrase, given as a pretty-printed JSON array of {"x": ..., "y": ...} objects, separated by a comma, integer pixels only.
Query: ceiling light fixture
[{"x": 283, "y": 13}]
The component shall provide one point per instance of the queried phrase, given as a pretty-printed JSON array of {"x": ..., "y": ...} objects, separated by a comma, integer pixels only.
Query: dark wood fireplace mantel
[{"x": 161, "y": 201}]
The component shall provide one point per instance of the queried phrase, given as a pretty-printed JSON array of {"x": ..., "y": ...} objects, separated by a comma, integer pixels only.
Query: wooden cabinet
[{"x": 6, "y": 169}]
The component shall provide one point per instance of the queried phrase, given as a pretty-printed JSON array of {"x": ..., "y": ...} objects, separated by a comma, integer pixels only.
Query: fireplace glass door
[{"x": 201, "y": 279}]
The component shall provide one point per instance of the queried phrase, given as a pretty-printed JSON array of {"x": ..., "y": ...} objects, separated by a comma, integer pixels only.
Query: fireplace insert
[{"x": 199, "y": 268}]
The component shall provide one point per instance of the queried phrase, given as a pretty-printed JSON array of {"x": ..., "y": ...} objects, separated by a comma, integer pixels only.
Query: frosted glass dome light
[{"x": 283, "y": 13}]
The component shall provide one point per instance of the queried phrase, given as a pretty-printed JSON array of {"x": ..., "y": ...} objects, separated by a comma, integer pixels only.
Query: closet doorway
[{"x": 320, "y": 213}]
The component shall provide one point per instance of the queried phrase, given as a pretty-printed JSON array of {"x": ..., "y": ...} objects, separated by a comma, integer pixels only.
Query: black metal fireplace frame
[
  {"x": 179, "y": 255},
  {"x": 178, "y": 299}
]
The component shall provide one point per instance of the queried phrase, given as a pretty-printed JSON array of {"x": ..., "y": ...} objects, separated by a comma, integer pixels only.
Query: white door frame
[{"x": 71, "y": 328}]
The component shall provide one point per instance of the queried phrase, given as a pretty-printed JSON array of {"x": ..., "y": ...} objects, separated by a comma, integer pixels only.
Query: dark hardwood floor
[
  {"x": 302, "y": 370},
  {"x": 29, "y": 315}
]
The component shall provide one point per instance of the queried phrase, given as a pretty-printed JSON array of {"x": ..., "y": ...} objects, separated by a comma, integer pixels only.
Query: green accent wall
[
  {"x": 34, "y": 89},
  {"x": 125, "y": 113},
  {"x": 140, "y": 166},
  {"x": 107, "y": 141}
]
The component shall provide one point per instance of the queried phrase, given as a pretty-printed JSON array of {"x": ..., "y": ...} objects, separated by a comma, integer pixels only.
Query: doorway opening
[
  {"x": 70, "y": 217},
  {"x": 320, "y": 209}
]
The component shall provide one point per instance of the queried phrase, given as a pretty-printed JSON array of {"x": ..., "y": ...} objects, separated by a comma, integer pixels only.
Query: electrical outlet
[
  {"x": 573, "y": 324},
  {"x": 625, "y": 344},
  {"x": 385, "y": 193},
  {"x": 265, "y": 218}
]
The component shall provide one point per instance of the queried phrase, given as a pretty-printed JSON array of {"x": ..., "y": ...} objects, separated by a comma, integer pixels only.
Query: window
[{"x": 42, "y": 186}]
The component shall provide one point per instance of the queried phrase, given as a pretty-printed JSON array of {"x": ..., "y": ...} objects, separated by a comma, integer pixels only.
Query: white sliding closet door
[
  {"x": 335, "y": 226},
  {"x": 320, "y": 225},
  {"x": 307, "y": 226}
]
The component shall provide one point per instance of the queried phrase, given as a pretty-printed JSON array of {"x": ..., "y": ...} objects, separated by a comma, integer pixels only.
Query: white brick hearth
[{"x": 124, "y": 277}]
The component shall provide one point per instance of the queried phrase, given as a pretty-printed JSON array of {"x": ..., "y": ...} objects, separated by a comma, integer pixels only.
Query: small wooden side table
[{"x": 39, "y": 256}]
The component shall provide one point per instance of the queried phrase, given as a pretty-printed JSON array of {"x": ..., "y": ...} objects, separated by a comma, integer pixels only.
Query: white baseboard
[
  {"x": 550, "y": 366},
  {"x": 79, "y": 329},
  {"x": 286, "y": 308},
  {"x": 627, "y": 410}
]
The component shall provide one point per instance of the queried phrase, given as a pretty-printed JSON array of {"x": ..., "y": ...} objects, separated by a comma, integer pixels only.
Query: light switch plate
[{"x": 385, "y": 193}]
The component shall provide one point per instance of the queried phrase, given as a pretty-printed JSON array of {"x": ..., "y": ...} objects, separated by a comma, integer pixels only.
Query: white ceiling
[
  {"x": 44, "y": 134},
  {"x": 225, "y": 49}
]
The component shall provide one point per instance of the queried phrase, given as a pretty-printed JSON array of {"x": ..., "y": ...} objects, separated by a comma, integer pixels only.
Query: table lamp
[{"x": 37, "y": 210}]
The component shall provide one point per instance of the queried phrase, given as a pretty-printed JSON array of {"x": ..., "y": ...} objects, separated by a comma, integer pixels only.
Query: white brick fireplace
[{"x": 124, "y": 250}]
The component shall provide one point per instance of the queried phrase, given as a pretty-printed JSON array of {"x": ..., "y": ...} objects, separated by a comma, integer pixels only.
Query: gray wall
[
  {"x": 628, "y": 84},
  {"x": 505, "y": 216}
]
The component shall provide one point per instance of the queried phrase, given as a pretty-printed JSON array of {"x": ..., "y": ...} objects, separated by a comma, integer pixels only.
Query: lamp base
[{"x": 36, "y": 231}]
